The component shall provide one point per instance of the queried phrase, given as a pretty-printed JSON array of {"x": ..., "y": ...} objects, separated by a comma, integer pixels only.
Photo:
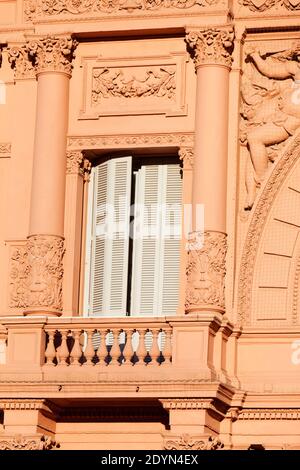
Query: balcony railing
[{"x": 101, "y": 345}]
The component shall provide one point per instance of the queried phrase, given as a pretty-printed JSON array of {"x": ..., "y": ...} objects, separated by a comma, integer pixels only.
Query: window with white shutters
[{"x": 136, "y": 275}]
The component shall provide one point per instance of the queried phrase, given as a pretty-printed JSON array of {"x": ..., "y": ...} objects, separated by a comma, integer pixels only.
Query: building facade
[{"x": 150, "y": 201}]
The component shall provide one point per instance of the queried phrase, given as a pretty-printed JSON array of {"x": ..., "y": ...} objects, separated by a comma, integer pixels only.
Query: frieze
[
  {"x": 51, "y": 8},
  {"x": 188, "y": 442},
  {"x": 27, "y": 442},
  {"x": 175, "y": 139},
  {"x": 260, "y": 6}
]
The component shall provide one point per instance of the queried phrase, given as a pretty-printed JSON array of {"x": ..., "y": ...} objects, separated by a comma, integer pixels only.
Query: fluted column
[
  {"x": 52, "y": 59},
  {"x": 211, "y": 50}
]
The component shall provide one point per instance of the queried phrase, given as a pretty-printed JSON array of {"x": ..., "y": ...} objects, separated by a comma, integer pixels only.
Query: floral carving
[
  {"x": 263, "y": 5},
  {"x": 187, "y": 442},
  {"x": 52, "y": 53},
  {"x": 211, "y": 46},
  {"x": 130, "y": 140},
  {"x": 78, "y": 164},
  {"x": 186, "y": 155},
  {"x": 18, "y": 277},
  {"x": 23, "y": 442},
  {"x": 35, "y": 8},
  {"x": 5, "y": 149},
  {"x": 45, "y": 272},
  {"x": 270, "y": 110},
  {"x": 206, "y": 270},
  {"x": 19, "y": 59},
  {"x": 158, "y": 81}
]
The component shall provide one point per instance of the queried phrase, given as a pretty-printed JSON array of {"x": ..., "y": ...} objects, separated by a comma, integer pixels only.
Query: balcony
[{"x": 50, "y": 349}]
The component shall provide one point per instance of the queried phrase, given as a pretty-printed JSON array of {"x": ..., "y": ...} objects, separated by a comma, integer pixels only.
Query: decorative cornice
[
  {"x": 211, "y": 46},
  {"x": 185, "y": 404},
  {"x": 260, "y": 213},
  {"x": 52, "y": 53},
  {"x": 23, "y": 404},
  {"x": 269, "y": 414},
  {"x": 19, "y": 59},
  {"x": 188, "y": 442},
  {"x": 41, "y": 8},
  {"x": 186, "y": 155},
  {"x": 78, "y": 164},
  {"x": 175, "y": 139},
  {"x": 206, "y": 271},
  {"x": 27, "y": 442}
]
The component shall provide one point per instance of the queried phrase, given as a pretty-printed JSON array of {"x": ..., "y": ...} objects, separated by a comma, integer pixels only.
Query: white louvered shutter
[
  {"x": 109, "y": 240},
  {"x": 155, "y": 271}
]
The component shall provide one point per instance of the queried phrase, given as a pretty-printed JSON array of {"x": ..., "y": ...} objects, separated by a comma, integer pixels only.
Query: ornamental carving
[
  {"x": 211, "y": 46},
  {"x": 206, "y": 271},
  {"x": 187, "y": 442},
  {"x": 261, "y": 211},
  {"x": 23, "y": 442},
  {"x": 45, "y": 272},
  {"x": 5, "y": 149},
  {"x": 34, "y": 8},
  {"x": 186, "y": 155},
  {"x": 270, "y": 110},
  {"x": 116, "y": 83},
  {"x": 52, "y": 53},
  {"x": 19, "y": 59},
  {"x": 79, "y": 165},
  {"x": 18, "y": 276},
  {"x": 263, "y": 5},
  {"x": 130, "y": 140}
]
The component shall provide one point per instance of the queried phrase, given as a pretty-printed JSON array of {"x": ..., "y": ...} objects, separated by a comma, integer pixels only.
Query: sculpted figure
[{"x": 272, "y": 110}]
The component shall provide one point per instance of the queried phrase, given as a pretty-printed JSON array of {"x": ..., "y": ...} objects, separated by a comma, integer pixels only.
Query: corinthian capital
[
  {"x": 211, "y": 45},
  {"x": 52, "y": 53}
]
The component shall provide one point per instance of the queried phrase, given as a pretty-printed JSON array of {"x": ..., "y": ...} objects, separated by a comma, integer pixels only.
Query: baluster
[
  {"x": 115, "y": 349},
  {"x": 127, "y": 351},
  {"x": 89, "y": 350},
  {"x": 50, "y": 352},
  {"x": 155, "y": 351},
  {"x": 167, "y": 352},
  {"x": 76, "y": 352},
  {"x": 63, "y": 351},
  {"x": 102, "y": 351},
  {"x": 141, "y": 350}
]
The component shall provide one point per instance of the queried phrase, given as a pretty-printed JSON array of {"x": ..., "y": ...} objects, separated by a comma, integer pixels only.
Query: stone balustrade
[{"x": 102, "y": 345}]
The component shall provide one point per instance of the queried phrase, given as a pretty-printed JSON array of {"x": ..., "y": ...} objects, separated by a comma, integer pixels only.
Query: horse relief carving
[{"x": 270, "y": 110}]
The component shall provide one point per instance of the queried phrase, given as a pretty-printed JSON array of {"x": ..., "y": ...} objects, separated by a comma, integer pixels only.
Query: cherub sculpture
[{"x": 271, "y": 110}]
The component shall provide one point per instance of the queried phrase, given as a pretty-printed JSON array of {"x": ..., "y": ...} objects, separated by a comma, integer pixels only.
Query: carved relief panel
[
  {"x": 117, "y": 86},
  {"x": 266, "y": 7},
  {"x": 33, "y": 9},
  {"x": 270, "y": 108}
]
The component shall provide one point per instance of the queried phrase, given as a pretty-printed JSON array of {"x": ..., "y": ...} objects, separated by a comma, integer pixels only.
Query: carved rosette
[
  {"x": 45, "y": 272},
  {"x": 27, "y": 442},
  {"x": 186, "y": 155},
  {"x": 52, "y": 53},
  {"x": 19, "y": 61},
  {"x": 211, "y": 46},
  {"x": 206, "y": 271},
  {"x": 77, "y": 164},
  {"x": 187, "y": 442}
]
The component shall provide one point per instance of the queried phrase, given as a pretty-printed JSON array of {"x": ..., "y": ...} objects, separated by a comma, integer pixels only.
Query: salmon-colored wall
[{"x": 230, "y": 375}]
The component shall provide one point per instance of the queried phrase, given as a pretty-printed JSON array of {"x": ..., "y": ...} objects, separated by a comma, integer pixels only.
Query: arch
[{"x": 272, "y": 196}]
